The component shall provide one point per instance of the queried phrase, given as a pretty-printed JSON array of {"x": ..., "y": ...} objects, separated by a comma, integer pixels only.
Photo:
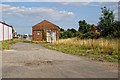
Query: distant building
[
  {"x": 95, "y": 28},
  {"x": 45, "y": 31},
  {"x": 14, "y": 34},
  {"x": 5, "y": 31},
  {"x": 26, "y": 36}
]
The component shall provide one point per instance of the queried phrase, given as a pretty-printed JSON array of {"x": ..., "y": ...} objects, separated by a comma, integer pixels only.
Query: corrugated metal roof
[{"x": 5, "y": 24}]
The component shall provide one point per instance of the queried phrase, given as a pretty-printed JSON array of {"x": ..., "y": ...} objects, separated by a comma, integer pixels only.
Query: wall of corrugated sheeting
[
  {"x": 1, "y": 32},
  {"x": 5, "y": 32}
]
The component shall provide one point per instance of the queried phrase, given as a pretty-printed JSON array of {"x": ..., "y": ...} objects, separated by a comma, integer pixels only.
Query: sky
[{"x": 23, "y": 15}]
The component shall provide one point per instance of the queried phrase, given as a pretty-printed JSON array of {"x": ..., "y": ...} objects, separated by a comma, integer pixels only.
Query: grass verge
[
  {"x": 97, "y": 49},
  {"x": 42, "y": 42},
  {"x": 7, "y": 43},
  {"x": 0, "y": 45}
]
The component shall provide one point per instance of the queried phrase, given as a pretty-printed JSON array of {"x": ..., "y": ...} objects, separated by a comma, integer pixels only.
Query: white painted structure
[
  {"x": 5, "y": 31},
  {"x": 51, "y": 36}
]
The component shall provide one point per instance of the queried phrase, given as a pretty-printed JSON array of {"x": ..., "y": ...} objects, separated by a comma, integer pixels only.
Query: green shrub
[
  {"x": 66, "y": 34},
  {"x": 91, "y": 35}
]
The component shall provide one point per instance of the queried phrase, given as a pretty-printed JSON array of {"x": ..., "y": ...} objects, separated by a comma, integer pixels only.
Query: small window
[{"x": 38, "y": 33}]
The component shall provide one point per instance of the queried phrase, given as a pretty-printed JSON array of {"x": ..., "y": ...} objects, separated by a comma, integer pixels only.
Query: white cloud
[
  {"x": 111, "y": 5},
  {"x": 60, "y": 0},
  {"x": 90, "y": 3},
  {"x": 75, "y": 3},
  {"x": 40, "y": 12}
]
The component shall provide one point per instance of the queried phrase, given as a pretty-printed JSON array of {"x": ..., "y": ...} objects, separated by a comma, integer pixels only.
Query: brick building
[{"x": 45, "y": 31}]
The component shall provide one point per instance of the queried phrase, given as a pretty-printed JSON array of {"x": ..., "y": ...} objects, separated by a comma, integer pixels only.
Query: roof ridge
[
  {"x": 5, "y": 23},
  {"x": 47, "y": 22}
]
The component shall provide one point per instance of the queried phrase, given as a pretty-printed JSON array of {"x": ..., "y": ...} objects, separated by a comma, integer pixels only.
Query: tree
[
  {"x": 13, "y": 30},
  {"x": 83, "y": 26},
  {"x": 69, "y": 33},
  {"x": 72, "y": 30},
  {"x": 116, "y": 29},
  {"x": 106, "y": 22},
  {"x": 66, "y": 34},
  {"x": 61, "y": 29}
]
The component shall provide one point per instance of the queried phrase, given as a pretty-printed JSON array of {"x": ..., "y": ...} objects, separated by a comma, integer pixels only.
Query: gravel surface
[{"x": 27, "y": 60}]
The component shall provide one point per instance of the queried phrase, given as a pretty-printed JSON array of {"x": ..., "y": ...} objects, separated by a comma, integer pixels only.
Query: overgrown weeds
[
  {"x": 98, "y": 49},
  {"x": 7, "y": 43}
]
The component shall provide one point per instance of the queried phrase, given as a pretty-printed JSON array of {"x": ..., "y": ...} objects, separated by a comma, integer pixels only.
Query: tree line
[{"x": 107, "y": 27}]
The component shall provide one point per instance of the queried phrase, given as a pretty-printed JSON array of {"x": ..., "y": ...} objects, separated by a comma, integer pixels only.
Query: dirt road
[{"x": 27, "y": 60}]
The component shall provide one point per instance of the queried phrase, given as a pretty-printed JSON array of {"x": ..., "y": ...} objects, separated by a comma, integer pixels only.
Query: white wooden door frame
[{"x": 51, "y": 36}]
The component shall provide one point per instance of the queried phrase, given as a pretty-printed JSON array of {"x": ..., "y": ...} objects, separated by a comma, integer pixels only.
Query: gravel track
[{"x": 27, "y": 60}]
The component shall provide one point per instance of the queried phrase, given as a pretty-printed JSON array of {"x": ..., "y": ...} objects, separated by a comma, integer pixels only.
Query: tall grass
[
  {"x": 0, "y": 45},
  {"x": 7, "y": 43},
  {"x": 99, "y": 49}
]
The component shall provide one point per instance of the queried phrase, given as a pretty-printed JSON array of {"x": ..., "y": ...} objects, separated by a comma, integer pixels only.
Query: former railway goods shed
[{"x": 45, "y": 31}]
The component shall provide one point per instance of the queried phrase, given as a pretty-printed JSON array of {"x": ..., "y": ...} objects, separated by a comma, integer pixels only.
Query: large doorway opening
[{"x": 51, "y": 35}]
